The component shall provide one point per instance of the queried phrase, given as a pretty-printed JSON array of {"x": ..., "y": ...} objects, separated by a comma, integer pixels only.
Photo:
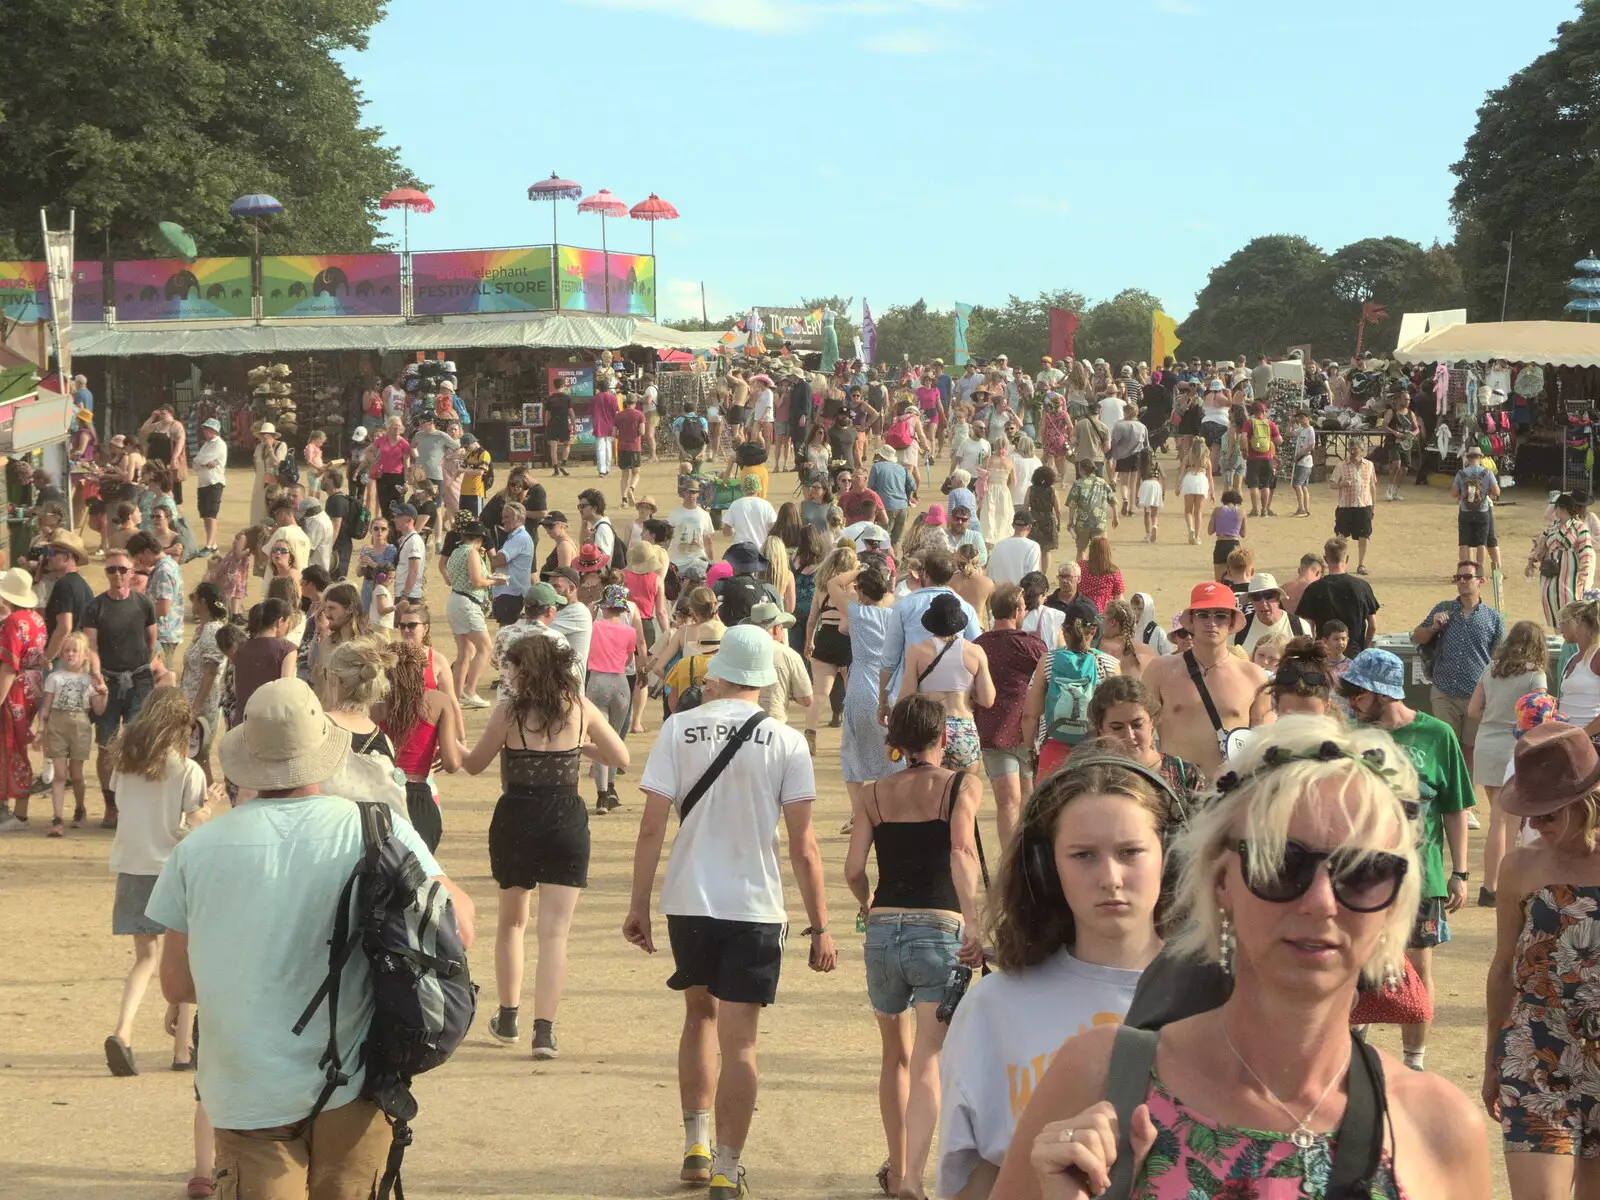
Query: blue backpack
[{"x": 1074, "y": 675}]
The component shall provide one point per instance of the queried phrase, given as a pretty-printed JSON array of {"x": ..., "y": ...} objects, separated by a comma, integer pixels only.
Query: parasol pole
[
  {"x": 555, "y": 238},
  {"x": 605, "y": 258}
]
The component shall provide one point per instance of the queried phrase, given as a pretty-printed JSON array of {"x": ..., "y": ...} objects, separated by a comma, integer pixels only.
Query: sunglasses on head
[
  {"x": 1364, "y": 883},
  {"x": 1292, "y": 673}
]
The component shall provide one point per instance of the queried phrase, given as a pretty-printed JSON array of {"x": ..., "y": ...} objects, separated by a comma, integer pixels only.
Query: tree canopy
[
  {"x": 1530, "y": 170},
  {"x": 170, "y": 109}
]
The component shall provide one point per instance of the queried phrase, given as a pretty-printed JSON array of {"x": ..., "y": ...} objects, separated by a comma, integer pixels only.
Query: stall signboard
[
  {"x": 800, "y": 327},
  {"x": 170, "y": 289},
  {"x": 574, "y": 381},
  {"x": 475, "y": 281},
  {"x": 330, "y": 285},
  {"x": 25, "y": 291},
  {"x": 585, "y": 275}
]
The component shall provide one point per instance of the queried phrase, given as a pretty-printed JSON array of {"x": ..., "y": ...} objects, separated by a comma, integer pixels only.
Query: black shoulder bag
[
  {"x": 1205, "y": 698},
  {"x": 718, "y": 765}
]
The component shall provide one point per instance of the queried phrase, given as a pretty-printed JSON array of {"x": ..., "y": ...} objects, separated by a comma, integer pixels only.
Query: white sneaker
[
  {"x": 12, "y": 824},
  {"x": 474, "y": 701}
]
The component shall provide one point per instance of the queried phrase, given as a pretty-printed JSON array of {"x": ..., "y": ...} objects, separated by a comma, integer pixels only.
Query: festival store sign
[
  {"x": 585, "y": 275},
  {"x": 800, "y": 327},
  {"x": 25, "y": 291},
  {"x": 474, "y": 281},
  {"x": 330, "y": 285},
  {"x": 170, "y": 289},
  {"x": 575, "y": 381}
]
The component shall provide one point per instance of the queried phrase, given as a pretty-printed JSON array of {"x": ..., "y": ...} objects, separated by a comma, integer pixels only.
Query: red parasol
[
  {"x": 653, "y": 209},
  {"x": 553, "y": 189},
  {"x": 407, "y": 199}
]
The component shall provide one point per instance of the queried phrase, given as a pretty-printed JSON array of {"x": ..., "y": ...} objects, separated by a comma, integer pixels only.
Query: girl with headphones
[{"x": 1073, "y": 923}]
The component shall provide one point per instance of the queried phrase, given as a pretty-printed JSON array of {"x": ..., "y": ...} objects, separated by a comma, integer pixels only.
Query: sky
[{"x": 941, "y": 149}]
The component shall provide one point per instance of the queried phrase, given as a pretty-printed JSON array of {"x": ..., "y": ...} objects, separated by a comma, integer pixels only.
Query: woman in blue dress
[{"x": 862, "y": 751}]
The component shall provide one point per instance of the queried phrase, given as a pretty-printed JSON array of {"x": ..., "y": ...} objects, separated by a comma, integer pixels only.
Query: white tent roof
[
  {"x": 552, "y": 330},
  {"x": 1556, "y": 343}
]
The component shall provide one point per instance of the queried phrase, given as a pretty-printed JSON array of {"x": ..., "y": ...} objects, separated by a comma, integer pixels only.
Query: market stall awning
[
  {"x": 1556, "y": 343},
  {"x": 553, "y": 331}
]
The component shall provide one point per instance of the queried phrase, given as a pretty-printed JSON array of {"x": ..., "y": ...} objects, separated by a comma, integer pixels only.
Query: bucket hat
[
  {"x": 1262, "y": 583},
  {"x": 285, "y": 741},
  {"x": 945, "y": 617},
  {"x": 16, "y": 589},
  {"x": 745, "y": 559},
  {"x": 1555, "y": 764},
  {"x": 1377, "y": 671},
  {"x": 769, "y": 615},
  {"x": 744, "y": 658}
]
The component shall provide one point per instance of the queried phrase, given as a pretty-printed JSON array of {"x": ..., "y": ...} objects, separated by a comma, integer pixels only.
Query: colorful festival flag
[
  {"x": 1163, "y": 338},
  {"x": 963, "y": 312},
  {"x": 1063, "y": 331},
  {"x": 869, "y": 335}
]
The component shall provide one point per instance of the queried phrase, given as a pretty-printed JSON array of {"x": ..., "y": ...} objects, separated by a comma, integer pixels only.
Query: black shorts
[
  {"x": 1258, "y": 473},
  {"x": 1221, "y": 549},
  {"x": 830, "y": 646},
  {"x": 1353, "y": 522},
  {"x": 1189, "y": 423},
  {"x": 209, "y": 498},
  {"x": 1476, "y": 529},
  {"x": 1212, "y": 432},
  {"x": 507, "y": 608},
  {"x": 628, "y": 460},
  {"x": 1431, "y": 928},
  {"x": 736, "y": 961},
  {"x": 1126, "y": 466},
  {"x": 739, "y": 415}
]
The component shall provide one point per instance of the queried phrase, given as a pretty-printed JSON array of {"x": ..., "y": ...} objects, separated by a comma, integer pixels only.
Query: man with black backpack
[
  {"x": 690, "y": 430},
  {"x": 732, "y": 773},
  {"x": 302, "y": 1098},
  {"x": 738, "y": 594}
]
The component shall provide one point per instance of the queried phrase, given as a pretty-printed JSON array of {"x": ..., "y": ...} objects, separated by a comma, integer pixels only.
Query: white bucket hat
[
  {"x": 744, "y": 658},
  {"x": 285, "y": 741},
  {"x": 16, "y": 589}
]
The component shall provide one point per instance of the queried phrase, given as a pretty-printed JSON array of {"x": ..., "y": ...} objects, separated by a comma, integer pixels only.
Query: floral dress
[
  {"x": 1056, "y": 433},
  {"x": 1548, "y": 1051},
  {"x": 22, "y": 642},
  {"x": 231, "y": 574}
]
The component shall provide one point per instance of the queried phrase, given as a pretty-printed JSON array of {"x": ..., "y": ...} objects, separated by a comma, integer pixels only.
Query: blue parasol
[{"x": 256, "y": 204}]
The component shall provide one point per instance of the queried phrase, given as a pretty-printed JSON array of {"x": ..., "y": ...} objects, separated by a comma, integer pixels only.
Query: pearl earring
[{"x": 1226, "y": 944}]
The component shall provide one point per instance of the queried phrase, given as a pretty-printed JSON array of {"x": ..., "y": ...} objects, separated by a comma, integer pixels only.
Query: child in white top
[
  {"x": 1152, "y": 492},
  {"x": 70, "y": 695},
  {"x": 1195, "y": 487},
  {"x": 380, "y": 609},
  {"x": 312, "y": 461}
]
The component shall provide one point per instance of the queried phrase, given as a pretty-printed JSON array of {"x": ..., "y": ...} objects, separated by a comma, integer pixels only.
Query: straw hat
[
  {"x": 65, "y": 539},
  {"x": 286, "y": 740},
  {"x": 16, "y": 588},
  {"x": 646, "y": 558}
]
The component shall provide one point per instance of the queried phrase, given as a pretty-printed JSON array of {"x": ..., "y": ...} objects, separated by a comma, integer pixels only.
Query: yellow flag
[{"x": 1163, "y": 338}]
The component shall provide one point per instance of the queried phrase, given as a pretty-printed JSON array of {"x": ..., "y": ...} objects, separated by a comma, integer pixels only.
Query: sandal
[
  {"x": 119, "y": 1057},
  {"x": 883, "y": 1180},
  {"x": 57, "y": 829}
]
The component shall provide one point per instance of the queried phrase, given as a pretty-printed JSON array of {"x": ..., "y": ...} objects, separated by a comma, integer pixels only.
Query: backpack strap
[
  {"x": 718, "y": 766},
  {"x": 923, "y": 674},
  {"x": 1133, "y": 1055},
  {"x": 1358, "y": 1153},
  {"x": 1200, "y": 686}
]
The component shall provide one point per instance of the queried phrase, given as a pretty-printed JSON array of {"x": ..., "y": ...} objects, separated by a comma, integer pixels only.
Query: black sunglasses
[
  {"x": 118, "y": 570},
  {"x": 409, "y": 624},
  {"x": 1364, "y": 883}
]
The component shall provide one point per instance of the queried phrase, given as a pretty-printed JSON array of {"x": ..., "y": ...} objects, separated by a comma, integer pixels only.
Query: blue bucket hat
[{"x": 1377, "y": 671}]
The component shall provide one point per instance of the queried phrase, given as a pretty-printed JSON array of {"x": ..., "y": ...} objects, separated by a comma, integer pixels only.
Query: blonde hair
[
  {"x": 1263, "y": 805},
  {"x": 157, "y": 737},
  {"x": 1273, "y": 641},
  {"x": 81, "y": 641},
  {"x": 841, "y": 559},
  {"x": 1582, "y": 612},
  {"x": 777, "y": 563},
  {"x": 356, "y": 675},
  {"x": 1199, "y": 458}
]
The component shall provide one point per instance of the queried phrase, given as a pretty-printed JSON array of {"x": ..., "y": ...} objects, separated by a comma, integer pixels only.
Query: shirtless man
[
  {"x": 1186, "y": 729},
  {"x": 1310, "y": 571}
]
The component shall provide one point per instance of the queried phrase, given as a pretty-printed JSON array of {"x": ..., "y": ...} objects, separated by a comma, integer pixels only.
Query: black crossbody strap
[
  {"x": 718, "y": 765},
  {"x": 1359, "y": 1151},
  {"x": 1200, "y": 686},
  {"x": 921, "y": 675},
  {"x": 1133, "y": 1054}
]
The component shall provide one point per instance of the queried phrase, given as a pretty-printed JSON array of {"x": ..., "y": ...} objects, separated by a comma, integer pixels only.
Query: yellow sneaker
[
  {"x": 723, "y": 1189},
  {"x": 696, "y": 1165}
]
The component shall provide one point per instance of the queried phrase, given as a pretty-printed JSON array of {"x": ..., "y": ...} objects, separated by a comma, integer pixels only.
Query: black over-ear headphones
[{"x": 1038, "y": 855}]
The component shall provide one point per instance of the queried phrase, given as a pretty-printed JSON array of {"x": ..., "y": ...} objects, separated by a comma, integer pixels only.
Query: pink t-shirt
[
  {"x": 392, "y": 455},
  {"x": 605, "y": 414},
  {"x": 927, "y": 398},
  {"x": 610, "y": 643}
]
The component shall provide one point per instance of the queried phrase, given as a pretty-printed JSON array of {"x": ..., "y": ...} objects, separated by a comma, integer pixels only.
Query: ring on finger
[{"x": 1068, "y": 1135}]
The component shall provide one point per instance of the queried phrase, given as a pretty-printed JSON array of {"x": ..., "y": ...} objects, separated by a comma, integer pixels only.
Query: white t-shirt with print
[
  {"x": 751, "y": 519},
  {"x": 1003, "y": 1036},
  {"x": 690, "y": 528},
  {"x": 374, "y": 617},
  {"x": 724, "y": 862},
  {"x": 150, "y": 815},
  {"x": 412, "y": 550}
]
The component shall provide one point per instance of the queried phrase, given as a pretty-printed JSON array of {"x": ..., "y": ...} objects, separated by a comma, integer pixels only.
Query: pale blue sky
[{"x": 948, "y": 149}]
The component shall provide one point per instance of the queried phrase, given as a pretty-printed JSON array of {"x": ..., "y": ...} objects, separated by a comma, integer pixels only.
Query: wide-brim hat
[
  {"x": 285, "y": 741},
  {"x": 645, "y": 558},
  {"x": 745, "y": 558},
  {"x": 65, "y": 539},
  {"x": 16, "y": 589},
  {"x": 744, "y": 658},
  {"x": 768, "y": 615},
  {"x": 1555, "y": 764},
  {"x": 266, "y": 427},
  {"x": 885, "y": 452}
]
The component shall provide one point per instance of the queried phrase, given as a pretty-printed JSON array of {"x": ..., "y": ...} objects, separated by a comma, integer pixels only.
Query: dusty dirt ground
[{"x": 604, "y": 1119}]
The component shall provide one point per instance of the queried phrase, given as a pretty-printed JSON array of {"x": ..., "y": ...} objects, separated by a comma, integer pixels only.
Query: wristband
[
  {"x": 808, "y": 931},
  {"x": 1461, "y": 875}
]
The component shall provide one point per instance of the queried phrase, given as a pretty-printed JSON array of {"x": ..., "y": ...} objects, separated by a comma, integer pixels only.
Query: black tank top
[{"x": 914, "y": 858}]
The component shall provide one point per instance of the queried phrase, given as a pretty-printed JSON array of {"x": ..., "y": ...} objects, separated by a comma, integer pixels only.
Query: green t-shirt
[{"x": 1444, "y": 786}]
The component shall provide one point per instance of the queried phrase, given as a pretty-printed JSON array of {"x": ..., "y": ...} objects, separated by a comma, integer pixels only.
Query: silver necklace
[{"x": 1302, "y": 1136}]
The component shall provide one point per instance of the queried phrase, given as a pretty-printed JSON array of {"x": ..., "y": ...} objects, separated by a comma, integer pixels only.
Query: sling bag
[
  {"x": 1205, "y": 698},
  {"x": 718, "y": 765}
]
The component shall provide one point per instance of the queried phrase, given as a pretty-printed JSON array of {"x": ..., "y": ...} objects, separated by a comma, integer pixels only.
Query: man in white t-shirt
[
  {"x": 1015, "y": 556},
  {"x": 793, "y": 676},
  {"x": 691, "y": 528},
  {"x": 749, "y": 518},
  {"x": 572, "y": 621},
  {"x": 210, "y": 466},
  {"x": 761, "y": 413},
  {"x": 410, "y": 553},
  {"x": 723, "y": 892},
  {"x": 1112, "y": 409}
]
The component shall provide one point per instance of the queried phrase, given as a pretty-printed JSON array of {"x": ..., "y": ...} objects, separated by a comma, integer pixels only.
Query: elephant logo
[
  {"x": 238, "y": 293},
  {"x": 149, "y": 292},
  {"x": 180, "y": 284},
  {"x": 297, "y": 290},
  {"x": 277, "y": 293},
  {"x": 364, "y": 288},
  {"x": 329, "y": 280},
  {"x": 387, "y": 290},
  {"x": 216, "y": 292}
]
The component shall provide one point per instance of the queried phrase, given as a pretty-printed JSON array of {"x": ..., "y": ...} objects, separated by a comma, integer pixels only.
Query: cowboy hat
[
  {"x": 285, "y": 741},
  {"x": 65, "y": 539},
  {"x": 16, "y": 588},
  {"x": 590, "y": 559},
  {"x": 266, "y": 427}
]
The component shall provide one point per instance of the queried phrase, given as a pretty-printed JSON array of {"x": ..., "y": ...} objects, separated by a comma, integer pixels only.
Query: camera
[{"x": 955, "y": 987}]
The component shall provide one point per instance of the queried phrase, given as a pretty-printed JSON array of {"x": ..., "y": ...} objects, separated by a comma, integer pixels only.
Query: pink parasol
[
  {"x": 607, "y": 205},
  {"x": 553, "y": 189},
  {"x": 407, "y": 199},
  {"x": 653, "y": 209}
]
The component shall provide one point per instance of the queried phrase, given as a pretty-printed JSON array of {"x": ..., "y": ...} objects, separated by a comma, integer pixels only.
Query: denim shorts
[
  {"x": 1302, "y": 475},
  {"x": 909, "y": 957},
  {"x": 1010, "y": 760}
]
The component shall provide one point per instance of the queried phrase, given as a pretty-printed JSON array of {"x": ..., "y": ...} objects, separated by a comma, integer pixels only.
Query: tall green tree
[
  {"x": 1021, "y": 328},
  {"x": 917, "y": 331},
  {"x": 169, "y": 109},
  {"x": 1265, "y": 297},
  {"x": 1530, "y": 174},
  {"x": 843, "y": 325},
  {"x": 1118, "y": 329}
]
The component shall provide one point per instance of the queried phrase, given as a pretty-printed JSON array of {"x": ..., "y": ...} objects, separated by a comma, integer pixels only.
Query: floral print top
[{"x": 1196, "y": 1159}]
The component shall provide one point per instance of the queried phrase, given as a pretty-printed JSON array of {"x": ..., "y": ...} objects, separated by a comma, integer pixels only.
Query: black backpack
[
  {"x": 425, "y": 998},
  {"x": 692, "y": 434},
  {"x": 289, "y": 468},
  {"x": 736, "y": 596},
  {"x": 619, "y": 548},
  {"x": 359, "y": 522}
]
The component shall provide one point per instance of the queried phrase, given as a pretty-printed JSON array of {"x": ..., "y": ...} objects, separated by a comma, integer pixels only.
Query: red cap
[{"x": 1212, "y": 595}]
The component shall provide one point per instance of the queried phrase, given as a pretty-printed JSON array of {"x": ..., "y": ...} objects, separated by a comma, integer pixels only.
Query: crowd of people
[{"x": 1232, "y": 822}]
